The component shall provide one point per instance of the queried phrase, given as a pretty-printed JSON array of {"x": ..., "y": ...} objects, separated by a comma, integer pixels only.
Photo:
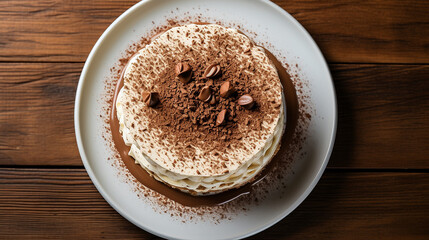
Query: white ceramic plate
[{"x": 268, "y": 25}]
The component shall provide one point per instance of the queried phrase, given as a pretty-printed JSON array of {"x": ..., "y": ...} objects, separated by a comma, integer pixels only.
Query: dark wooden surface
[{"x": 377, "y": 182}]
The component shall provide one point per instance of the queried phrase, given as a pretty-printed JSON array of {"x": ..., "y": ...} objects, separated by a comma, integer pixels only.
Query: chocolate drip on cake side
[{"x": 194, "y": 201}]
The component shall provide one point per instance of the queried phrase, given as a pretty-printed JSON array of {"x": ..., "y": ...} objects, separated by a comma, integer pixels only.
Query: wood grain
[
  {"x": 389, "y": 31},
  {"x": 383, "y": 115},
  {"x": 382, "y": 31},
  {"x": 36, "y": 114},
  {"x": 63, "y": 204},
  {"x": 54, "y": 30}
]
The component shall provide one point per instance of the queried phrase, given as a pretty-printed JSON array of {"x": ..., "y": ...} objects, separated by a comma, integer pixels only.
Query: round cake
[{"x": 202, "y": 108}]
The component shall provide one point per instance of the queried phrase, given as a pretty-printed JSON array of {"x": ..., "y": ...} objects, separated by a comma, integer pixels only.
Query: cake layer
[{"x": 178, "y": 140}]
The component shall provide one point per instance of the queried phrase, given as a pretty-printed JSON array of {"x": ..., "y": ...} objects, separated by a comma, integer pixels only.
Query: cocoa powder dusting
[{"x": 188, "y": 106}]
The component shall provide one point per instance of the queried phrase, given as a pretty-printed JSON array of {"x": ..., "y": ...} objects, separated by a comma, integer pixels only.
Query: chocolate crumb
[
  {"x": 213, "y": 101},
  {"x": 221, "y": 118}
]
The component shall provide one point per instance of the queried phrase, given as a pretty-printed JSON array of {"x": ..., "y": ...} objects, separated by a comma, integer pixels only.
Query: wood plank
[
  {"x": 360, "y": 206},
  {"x": 383, "y": 118},
  {"x": 63, "y": 204},
  {"x": 390, "y": 31},
  {"x": 54, "y": 30},
  {"x": 36, "y": 114},
  {"x": 383, "y": 31}
]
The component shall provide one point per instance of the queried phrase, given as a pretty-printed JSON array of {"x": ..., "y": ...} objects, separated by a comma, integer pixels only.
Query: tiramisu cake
[{"x": 202, "y": 108}]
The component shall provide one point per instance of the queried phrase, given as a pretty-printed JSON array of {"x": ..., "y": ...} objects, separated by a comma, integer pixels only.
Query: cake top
[{"x": 201, "y": 100}]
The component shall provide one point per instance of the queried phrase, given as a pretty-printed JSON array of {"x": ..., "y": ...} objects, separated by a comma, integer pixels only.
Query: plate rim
[{"x": 115, "y": 205}]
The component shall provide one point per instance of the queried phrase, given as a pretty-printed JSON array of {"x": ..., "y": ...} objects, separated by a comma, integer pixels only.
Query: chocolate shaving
[
  {"x": 246, "y": 101},
  {"x": 226, "y": 89},
  {"x": 221, "y": 118},
  {"x": 151, "y": 98},
  {"x": 212, "y": 71},
  {"x": 183, "y": 72},
  {"x": 205, "y": 94}
]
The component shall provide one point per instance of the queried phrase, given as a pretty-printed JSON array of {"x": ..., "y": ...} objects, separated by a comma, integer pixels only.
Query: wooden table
[{"x": 377, "y": 182}]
